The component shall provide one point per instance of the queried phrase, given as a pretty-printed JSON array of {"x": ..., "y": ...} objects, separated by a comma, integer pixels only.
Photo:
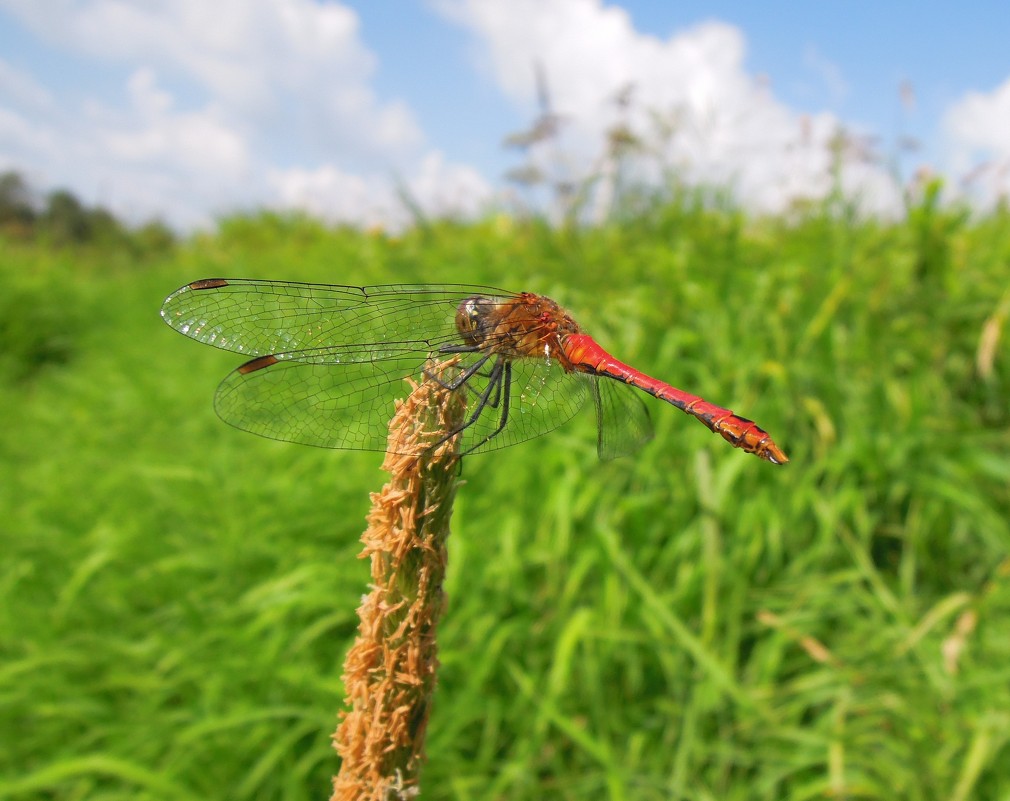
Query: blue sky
[
  {"x": 185, "y": 109},
  {"x": 848, "y": 58}
]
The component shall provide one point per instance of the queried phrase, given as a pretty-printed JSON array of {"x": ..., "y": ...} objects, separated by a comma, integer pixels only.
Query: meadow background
[{"x": 176, "y": 597}]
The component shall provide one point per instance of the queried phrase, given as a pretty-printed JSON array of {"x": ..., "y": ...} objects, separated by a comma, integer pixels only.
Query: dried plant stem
[{"x": 389, "y": 673}]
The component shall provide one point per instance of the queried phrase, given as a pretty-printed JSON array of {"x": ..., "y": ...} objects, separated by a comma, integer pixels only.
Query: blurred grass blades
[{"x": 176, "y": 597}]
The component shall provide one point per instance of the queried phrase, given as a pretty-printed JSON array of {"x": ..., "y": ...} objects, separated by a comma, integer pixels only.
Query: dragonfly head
[{"x": 473, "y": 319}]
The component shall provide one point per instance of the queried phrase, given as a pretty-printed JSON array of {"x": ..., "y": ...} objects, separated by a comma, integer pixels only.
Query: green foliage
[
  {"x": 176, "y": 597},
  {"x": 933, "y": 228},
  {"x": 41, "y": 317},
  {"x": 17, "y": 209},
  {"x": 63, "y": 221}
]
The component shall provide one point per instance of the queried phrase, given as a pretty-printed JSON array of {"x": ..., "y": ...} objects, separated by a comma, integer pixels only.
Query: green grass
[{"x": 176, "y": 597}]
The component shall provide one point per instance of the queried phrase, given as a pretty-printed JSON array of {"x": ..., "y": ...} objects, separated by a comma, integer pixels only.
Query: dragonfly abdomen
[{"x": 587, "y": 356}]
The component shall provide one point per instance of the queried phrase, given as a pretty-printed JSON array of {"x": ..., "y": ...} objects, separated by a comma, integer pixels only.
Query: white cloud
[
  {"x": 279, "y": 64},
  {"x": 23, "y": 90},
  {"x": 439, "y": 189},
  {"x": 213, "y": 97},
  {"x": 447, "y": 189},
  {"x": 329, "y": 193},
  {"x": 143, "y": 160},
  {"x": 724, "y": 125},
  {"x": 155, "y": 134},
  {"x": 977, "y": 132},
  {"x": 246, "y": 103}
]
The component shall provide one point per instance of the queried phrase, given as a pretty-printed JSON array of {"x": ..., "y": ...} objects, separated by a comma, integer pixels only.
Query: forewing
[
  {"x": 272, "y": 317},
  {"x": 623, "y": 421}
]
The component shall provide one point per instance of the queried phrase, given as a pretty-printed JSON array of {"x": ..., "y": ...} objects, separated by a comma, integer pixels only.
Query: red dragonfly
[{"x": 328, "y": 362}]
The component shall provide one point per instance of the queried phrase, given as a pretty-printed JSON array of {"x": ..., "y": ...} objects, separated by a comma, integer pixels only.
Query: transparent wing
[
  {"x": 330, "y": 361},
  {"x": 272, "y": 317},
  {"x": 622, "y": 418},
  {"x": 325, "y": 400},
  {"x": 325, "y": 397}
]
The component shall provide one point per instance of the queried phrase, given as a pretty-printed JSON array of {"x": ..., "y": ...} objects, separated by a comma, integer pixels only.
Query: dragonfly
[{"x": 326, "y": 364}]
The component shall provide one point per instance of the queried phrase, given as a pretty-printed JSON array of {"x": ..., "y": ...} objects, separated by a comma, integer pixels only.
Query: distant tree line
[{"x": 60, "y": 218}]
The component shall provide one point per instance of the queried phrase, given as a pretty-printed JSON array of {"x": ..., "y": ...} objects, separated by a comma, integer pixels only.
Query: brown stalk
[{"x": 390, "y": 671}]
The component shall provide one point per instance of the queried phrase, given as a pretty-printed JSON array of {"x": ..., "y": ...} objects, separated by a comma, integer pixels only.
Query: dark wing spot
[
  {"x": 209, "y": 283},
  {"x": 258, "y": 364}
]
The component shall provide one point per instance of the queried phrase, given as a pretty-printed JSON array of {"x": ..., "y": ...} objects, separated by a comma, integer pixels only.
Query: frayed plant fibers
[{"x": 390, "y": 671}]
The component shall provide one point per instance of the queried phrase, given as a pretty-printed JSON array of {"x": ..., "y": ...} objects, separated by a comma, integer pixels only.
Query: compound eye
[
  {"x": 473, "y": 315},
  {"x": 470, "y": 320}
]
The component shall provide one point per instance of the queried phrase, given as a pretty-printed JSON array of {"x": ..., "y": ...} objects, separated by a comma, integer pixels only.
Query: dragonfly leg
[
  {"x": 503, "y": 380},
  {"x": 462, "y": 378},
  {"x": 501, "y": 371},
  {"x": 497, "y": 372},
  {"x": 497, "y": 383}
]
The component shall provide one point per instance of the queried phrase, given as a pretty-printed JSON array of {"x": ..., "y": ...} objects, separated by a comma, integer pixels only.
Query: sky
[{"x": 186, "y": 110}]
